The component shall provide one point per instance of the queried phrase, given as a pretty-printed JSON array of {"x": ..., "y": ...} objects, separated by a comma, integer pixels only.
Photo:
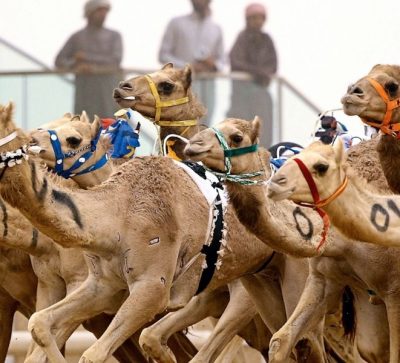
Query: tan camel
[
  {"x": 357, "y": 212},
  {"x": 59, "y": 270},
  {"x": 161, "y": 97},
  {"x": 341, "y": 262},
  {"x": 375, "y": 99},
  {"x": 73, "y": 218}
]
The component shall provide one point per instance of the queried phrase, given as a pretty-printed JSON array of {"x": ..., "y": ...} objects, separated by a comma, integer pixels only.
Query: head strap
[
  {"x": 385, "y": 126},
  {"x": 60, "y": 156},
  {"x": 317, "y": 202},
  {"x": 228, "y": 153},
  {"x": 161, "y": 104}
]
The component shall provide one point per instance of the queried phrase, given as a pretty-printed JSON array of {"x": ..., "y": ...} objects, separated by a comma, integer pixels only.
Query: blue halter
[{"x": 60, "y": 156}]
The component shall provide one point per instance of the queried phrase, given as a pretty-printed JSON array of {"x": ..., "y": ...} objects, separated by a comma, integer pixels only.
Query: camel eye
[
  {"x": 321, "y": 168},
  {"x": 237, "y": 139},
  {"x": 166, "y": 88},
  {"x": 74, "y": 141},
  {"x": 392, "y": 87}
]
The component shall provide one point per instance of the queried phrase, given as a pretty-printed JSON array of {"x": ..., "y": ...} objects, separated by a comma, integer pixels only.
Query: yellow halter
[{"x": 161, "y": 104}]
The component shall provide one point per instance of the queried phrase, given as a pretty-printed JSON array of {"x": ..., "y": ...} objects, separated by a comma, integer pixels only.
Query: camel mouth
[
  {"x": 277, "y": 192},
  {"x": 123, "y": 99},
  {"x": 353, "y": 105},
  {"x": 196, "y": 151}
]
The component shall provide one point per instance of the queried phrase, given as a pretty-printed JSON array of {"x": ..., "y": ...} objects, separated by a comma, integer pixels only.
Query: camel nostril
[
  {"x": 126, "y": 86},
  {"x": 356, "y": 91},
  {"x": 281, "y": 181}
]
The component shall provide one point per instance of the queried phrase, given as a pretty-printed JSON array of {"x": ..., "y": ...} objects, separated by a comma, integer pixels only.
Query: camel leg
[
  {"x": 51, "y": 327},
  {"x": 128, "y": 352},
  {"x": 154, "y": 338},
  {"x": 8, "y": 306},
  {"x": 393, "y": 314},
  {"x": 308, "y": 314},
  {"x": 260, "y": 287},
  {"x": 147, "y": 298},
  {"x": 149, "y": 289},
  {"x": 239, "y": 312}
]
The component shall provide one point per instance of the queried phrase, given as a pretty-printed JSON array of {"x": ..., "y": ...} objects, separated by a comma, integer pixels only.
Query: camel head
[
  {"x": 76, "y": 136},
  {"x": 325, "y": 165},
  {"x": 11, "y": 137},
  {"x": 238, "y": 134},
  {"x": 173, "y": 88},
  {"x": 375, "y": 97}
]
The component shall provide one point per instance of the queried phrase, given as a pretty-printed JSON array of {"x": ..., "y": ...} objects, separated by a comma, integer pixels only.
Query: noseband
[
  {"x": 385, "y": 126},
  {"x": 60, "y": 157},
  {"x": 228, "y": 154},
  {"x": 317, "y": 202},
  {"x": 159, "y": 105}
]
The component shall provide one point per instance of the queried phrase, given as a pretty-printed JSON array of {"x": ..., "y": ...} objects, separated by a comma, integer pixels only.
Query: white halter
[{"x": 7, "y": 139}]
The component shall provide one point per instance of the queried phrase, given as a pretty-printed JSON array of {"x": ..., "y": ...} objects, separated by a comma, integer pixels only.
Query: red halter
[
  {"x": 318, "y": 203},
  {"x": 385, "y": 126}
]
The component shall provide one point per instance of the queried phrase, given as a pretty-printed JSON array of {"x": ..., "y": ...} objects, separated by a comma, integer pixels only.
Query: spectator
[
  {"x": 95, "y": 54},
  {"x": 196, "y": 39},
  {"x": 254, "y": 52}
]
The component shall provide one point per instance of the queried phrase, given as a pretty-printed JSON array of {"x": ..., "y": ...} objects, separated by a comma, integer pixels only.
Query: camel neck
[
  {"x": 364, "y": 216},
  {"x": 57, "y": 212},
  {"x": 282, "y": 226},
  {"x": 389, "y": 152}
]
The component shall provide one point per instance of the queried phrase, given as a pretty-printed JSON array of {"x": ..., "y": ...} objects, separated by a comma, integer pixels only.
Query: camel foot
[
  {"x": 154, "y": 348},
  {"x": 40, "y": 330},
  {"x": 278, "y": 352},
  {"x": 94, "y": 354}
]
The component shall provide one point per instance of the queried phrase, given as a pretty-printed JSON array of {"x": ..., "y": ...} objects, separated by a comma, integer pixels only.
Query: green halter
[{"x": 228, "y": 154}]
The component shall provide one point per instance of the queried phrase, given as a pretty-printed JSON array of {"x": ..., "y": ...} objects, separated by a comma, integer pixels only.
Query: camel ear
[
  {"x": 6, "y": 113},
  {"x": 255, "y": 128},
  {"x": 84, "y": 117},
  {"x": 340, "y": 155},
  {"x": 187, "y": 76},
  {"x": 95, "y": 126},
  {"x": 167, "y": 66}
]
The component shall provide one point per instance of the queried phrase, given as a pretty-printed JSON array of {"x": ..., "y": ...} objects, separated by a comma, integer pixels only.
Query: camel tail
[{"x": 348, "y": 313}]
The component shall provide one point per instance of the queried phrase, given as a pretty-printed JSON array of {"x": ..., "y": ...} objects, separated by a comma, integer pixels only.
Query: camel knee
[{"x": 39, "y": 328}]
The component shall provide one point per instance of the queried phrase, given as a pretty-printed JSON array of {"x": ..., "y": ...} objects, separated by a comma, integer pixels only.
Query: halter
[
  {"x": 228, "y": 154},
  {"x": 60, "y": 156},
  {"x": 9, "y": 159},
  {"x": 161, "y": 104},
  {"x": 385, "y": 126},
  {"x": 318, "y": 203}
]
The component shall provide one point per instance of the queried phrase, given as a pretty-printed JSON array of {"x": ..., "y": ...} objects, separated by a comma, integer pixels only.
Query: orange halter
[
  {"x": 385, "y": 126},
  {"x": 318, "y": 203}
]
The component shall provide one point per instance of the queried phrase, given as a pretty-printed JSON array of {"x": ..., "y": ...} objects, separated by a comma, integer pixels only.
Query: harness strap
[
  {"x": 60, "y": 156},
  {"x": 318, "y": 203},
  {"x": 160, "y": 104},
  {"x": 211, "y": 251},
  {"x": 384, "y": 125}
]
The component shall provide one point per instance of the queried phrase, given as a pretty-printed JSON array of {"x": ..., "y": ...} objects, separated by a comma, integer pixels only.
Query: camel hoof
[{"x": 275, "y": 355}]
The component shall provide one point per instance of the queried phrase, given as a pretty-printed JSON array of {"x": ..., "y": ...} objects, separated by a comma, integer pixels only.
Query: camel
[
  {"x": 169, "y": 88},
  {"x": 72, "y": 218},
  {"x": 59, "y": 270},
  {"x": 340, "y": 193},
  {"x": 375, "y": 99},
  {"x": 337, "y": 263},
  {"x": 41, "y": 138}
]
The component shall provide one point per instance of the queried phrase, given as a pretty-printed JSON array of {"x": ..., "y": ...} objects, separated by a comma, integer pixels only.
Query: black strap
[{"x": 211, "y": 251}]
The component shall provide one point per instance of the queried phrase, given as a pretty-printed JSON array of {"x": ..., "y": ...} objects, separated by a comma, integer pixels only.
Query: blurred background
[{"x": 322, "y": 47}]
